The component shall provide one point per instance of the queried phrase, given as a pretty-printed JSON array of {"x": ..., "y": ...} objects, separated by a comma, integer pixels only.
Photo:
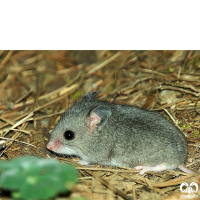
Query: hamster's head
[{"x": 79, "y": 127}]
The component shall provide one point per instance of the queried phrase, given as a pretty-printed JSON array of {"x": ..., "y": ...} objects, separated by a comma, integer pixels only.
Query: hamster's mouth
[{"x": 62, "y": 155}]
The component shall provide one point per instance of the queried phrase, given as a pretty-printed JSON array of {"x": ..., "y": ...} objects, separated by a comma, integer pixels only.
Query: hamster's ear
[
  {"x": 90, "y": 96},
  {"x": 98, "y": 117}
]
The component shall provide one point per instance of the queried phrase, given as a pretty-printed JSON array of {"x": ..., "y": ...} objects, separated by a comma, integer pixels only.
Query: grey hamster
[{"x": 119, "y": 135}]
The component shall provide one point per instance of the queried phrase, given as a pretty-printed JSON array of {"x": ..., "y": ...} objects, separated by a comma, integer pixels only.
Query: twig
[
  {"x": 173, "y": 182},
  {"x": 6, "y": 59},
  {"x": 178, "y": 85},
  {"x": 3, "y": 138},
  {"x": 24, "y": 96},
  {"x": 14, "y": 137},
  {"x": 46, "y": 116},
  {"x": 61, "y": 91},
  {"x": 168, "y": 105},
  {"x": 163, "y": 87},
  {"x": 19, "y": 122},
  {"x": 111, "y": 187},
  {"x": 195, "y": 106},
  {"x": 6, "y": 120},
  {"x": 23, "y": 131},
  {"x": 172, "y": 118},
  {"x": 108, "y": 170},
  {"x": 134, "y": 84},
  {"x": 103, "y": 64},
  {"x": 152, "y": 72}
]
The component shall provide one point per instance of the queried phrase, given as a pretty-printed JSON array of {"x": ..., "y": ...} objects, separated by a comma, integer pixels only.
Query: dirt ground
[{"x": 36, "y": 87}]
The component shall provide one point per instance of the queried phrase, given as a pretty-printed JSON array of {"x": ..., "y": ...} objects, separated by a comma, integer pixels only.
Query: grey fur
[{"x": 129, "y": 136}]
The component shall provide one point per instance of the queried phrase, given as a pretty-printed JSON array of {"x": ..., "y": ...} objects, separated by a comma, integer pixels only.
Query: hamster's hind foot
[
  {"x": 161, "y": 167},
  {"x": 157, "y": 168},
  {"x": 185, "y": 169}
]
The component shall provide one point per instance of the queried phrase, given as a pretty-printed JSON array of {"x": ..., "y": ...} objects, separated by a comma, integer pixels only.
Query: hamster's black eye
[{"x": 69, "y": 135}]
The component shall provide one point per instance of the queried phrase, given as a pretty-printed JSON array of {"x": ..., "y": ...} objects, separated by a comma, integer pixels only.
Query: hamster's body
[{"x": 119, "y": 135}]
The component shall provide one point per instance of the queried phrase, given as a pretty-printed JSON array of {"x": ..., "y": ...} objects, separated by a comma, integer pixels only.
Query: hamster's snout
[
  {"x": 49, "y": 146},
  {"x": 54, "y": 145}
]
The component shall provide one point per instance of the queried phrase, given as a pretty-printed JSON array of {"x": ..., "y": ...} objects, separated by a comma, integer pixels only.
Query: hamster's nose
[
  {"x": 50, "y": 146},
  {"x": 54, "y": 145}
]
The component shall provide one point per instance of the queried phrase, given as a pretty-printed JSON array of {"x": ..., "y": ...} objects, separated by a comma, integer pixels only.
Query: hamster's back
[{"x": 148, "y": 135}]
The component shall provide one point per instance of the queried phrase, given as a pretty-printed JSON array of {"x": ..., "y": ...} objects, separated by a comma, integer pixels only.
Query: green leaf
[{"x": 33, "y": 178}]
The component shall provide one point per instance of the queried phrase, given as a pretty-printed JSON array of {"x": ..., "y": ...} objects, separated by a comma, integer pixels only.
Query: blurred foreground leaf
[{"x": 33, "y": 178}]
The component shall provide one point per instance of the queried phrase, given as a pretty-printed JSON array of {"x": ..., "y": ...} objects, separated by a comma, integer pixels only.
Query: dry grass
[{"x": 36, "y": 87}]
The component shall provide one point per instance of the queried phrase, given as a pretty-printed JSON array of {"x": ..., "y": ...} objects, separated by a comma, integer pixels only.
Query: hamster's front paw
[{"x": 83, "y": 162}]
